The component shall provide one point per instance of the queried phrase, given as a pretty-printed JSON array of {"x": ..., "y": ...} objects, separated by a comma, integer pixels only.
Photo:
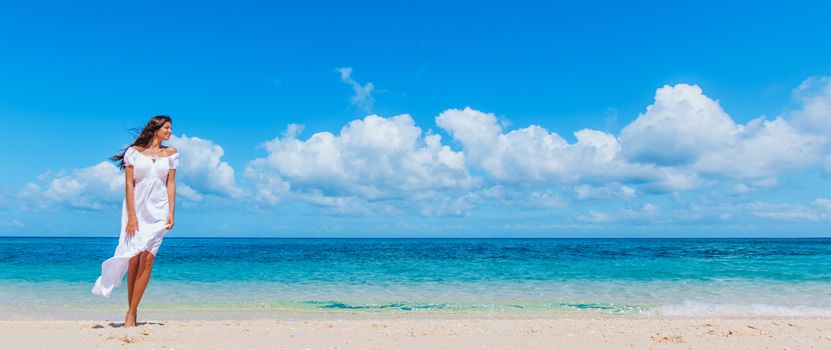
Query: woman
[{"x": 146, "y": 214}]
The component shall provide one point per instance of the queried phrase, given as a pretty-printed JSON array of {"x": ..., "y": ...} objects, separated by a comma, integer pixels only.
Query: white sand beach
[{"x": 608, "y": 332}]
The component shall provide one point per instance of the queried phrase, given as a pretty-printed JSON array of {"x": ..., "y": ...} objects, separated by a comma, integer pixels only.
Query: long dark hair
[{"x": 144, "y": 137}]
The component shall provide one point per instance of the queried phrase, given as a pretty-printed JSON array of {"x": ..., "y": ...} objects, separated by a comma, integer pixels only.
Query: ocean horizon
[{"x": 51, "y": 277}]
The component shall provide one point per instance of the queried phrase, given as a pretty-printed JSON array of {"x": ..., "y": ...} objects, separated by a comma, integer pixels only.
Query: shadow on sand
[{"x": 121, "y": 324}]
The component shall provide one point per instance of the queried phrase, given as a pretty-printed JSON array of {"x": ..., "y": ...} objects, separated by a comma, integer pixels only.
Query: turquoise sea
[{"x": 49, "y": 278}]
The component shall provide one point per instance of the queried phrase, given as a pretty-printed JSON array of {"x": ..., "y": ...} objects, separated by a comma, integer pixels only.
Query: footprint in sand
[
  {"x": 124, "y": 339},
  {"x": 667, "y": 339},
  {"x": 759, "y": 331}
]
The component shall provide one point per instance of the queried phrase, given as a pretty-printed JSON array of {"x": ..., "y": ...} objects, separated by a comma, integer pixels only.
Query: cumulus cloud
[
  {"x": 764, "y": 149},
  {"x": 370, "y": 161},
  {"x": 361, "y": 94},
  {"x": 814, "y": 97},
  {"x": 680, "y": 126},
  {"x": 683, "y": 141},
  {"x": 686, "y": 130},
  {"x": 814, "y": 114},
  {"x": 89, "y": 188},
  {"x": 532, "y": 155},
  {"x": 201, "y": 169},
  {"x": 527, "y": 154},
  {"x": 374, "y": 162}
]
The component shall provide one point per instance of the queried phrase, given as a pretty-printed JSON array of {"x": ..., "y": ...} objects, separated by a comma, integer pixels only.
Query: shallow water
[{"x": 789, "y": 277}]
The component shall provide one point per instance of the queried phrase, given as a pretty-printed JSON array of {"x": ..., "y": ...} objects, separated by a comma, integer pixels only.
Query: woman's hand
[
  {"x": 170, "y": 221},
  {"x": 132, "y": 226}
]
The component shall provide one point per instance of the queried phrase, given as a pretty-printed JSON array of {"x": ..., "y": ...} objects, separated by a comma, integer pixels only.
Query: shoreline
[
  {"x": 294, "y": 314},
  {"x": 209, "y": 312},
  {"x": 334, "y": 332}
]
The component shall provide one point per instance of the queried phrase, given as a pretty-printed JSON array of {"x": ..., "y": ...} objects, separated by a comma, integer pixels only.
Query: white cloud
[
  {"x": 188, "y": 192},
  {"x": 362, "y": 94},
  {"x": 201, "y": 169},
  {"x": 686, "y": 131},
  {"x": 533, "y": 155},
  {"x": 678, "y": 128},
  {"x": 818, "y": 210},
  {"x": 697, "y": 212},
  {"x": 518, "y": 197},
  {"x": 814, "y": 114},
  {"x": 684, "y": 141},
  {"x": 89, "y": 188},
  {"x": 527, "y": 154},
  {"x": 782, "y": 211},
  {"x": 766, "y": 149},
  {"x": 92, "y": 188},
  {"x": 478, "y": 132},
  {"x": 589, "y": 192},
  {"x": 370, "y": 162},
  {"x": 740, "y": 189},
  {"x": 750, "y": 186},
  {"x": 668, "y": 180},
  {"x": 648, "y": 212}
]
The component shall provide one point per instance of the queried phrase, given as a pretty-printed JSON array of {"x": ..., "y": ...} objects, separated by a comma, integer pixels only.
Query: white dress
[{"x": 151, "y": 211}]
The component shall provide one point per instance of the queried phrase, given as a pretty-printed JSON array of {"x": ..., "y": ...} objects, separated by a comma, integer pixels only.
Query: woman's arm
[
  {"x": 171, "y": 196},
  {"x": 132, "y": 221}
]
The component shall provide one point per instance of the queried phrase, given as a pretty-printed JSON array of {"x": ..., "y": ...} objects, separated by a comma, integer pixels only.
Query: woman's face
[{"x": 164, "y": 132}]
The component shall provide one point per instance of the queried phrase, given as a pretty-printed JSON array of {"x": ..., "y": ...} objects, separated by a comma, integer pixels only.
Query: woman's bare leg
[
  {"x": 142, "y": 278},
  {"x": 132, "y": 271}
]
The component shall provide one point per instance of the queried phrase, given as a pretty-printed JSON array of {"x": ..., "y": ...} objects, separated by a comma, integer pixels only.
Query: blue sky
[{"x": 734, "y": 143}]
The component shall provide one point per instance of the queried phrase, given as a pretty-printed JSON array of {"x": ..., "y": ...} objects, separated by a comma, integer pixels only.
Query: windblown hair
[{"x": 144, "y": 137}]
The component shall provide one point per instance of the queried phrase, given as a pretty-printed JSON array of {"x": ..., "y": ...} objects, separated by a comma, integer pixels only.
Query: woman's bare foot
[{"x": 130, "y": 319}]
